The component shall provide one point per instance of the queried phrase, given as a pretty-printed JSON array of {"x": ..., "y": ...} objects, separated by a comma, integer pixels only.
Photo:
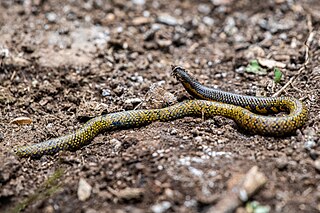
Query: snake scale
[{"x": 246, "y": 111}]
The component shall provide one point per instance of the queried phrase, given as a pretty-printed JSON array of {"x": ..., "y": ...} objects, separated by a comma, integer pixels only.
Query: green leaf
[
  {"x": 277, "y": 75},
  {"x": 256, "y": 207},
  {"x": 254, "y": 67}
]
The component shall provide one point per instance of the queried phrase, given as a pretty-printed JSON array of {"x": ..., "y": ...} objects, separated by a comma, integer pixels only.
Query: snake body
[{"x": 237, "y": 107}]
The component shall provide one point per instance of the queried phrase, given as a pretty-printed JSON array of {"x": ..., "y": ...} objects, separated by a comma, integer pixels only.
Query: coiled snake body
[{"x": 242, "y": 109}]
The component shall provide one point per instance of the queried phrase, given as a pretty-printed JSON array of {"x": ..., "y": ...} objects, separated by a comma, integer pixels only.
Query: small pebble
[
  {"x": 138, "y": 2},
  {"x": 196, "y": 172},
  {"x": 146, "y": 13},
  {"x": 173, "y": 132},
  {"x": 167, "y": 19},
  {"x": 116, "y": 144},
  {"x": 90, "y": 210},
  {"x": 49, "y": 209},
  {"x": 317, "y": 165},
  {"x": 204, "y": 8},
  {"x": 133, "y": 101},
  {"x": 106, "y": 92},
  {"x": 208, "y": 21},
  {"x": 130, "y": 193},
  {"x": 283, "y": 36},
  {"x": 281, "y": 163},
  {"x": 309, "y": 144},
  {"x": 190, "y": 203},
  {"x": 51, "y": 17},
  {"x": 4, "y": 53},
  {"x": 240, "y": 70},
  {"x": 137, "y": 78},
  {"x": 84, "y": 190},
  {"x": 230, "y": 26},
  {"x": 198, "y": 139},
  {"x": 161, "y": 207}
]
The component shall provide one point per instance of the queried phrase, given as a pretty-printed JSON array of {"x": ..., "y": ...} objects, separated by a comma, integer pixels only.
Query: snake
[{"x": 254, "y": 115}]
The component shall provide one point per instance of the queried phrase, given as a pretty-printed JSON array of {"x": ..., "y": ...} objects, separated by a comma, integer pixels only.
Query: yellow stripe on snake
[{"x": 242, "y": 109}]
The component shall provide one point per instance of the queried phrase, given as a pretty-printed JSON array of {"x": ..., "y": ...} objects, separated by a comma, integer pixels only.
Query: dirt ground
[{"x": 63, "y": 62}]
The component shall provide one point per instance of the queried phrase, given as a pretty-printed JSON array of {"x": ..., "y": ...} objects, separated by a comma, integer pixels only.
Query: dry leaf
[
  {"x": 21, "y": 120},
  {"x": 270, "y": 63}
]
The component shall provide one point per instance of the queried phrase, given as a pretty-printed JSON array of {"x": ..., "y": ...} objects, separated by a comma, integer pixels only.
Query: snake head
[{"x": 179, "y": 73}]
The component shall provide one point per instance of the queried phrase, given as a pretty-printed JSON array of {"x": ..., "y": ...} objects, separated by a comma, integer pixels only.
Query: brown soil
[{"x": 65, "y": 61}]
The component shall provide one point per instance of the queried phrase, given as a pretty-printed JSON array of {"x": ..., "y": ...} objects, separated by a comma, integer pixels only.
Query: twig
[
  {"x": 295, "y": 88},
  {"x": 307, "y": 58},
  {"x": 240, "y": 194}
]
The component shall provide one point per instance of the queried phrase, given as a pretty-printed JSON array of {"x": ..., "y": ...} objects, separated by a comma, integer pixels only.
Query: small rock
[
  {"x": 116, "y": 144},
  {"x": 169, "y": 98},
  {"x": 90, "y": 210},
  {"x": 221, "y": 2},
  {"x": 51, "y": 17},
  {"x": 106, "y": 92},
  {"x": 204, "y": 8},
  {"x": 161, "y": 207},
  {"x": 198, "y": 139},
  {"x": 133, "y": 101},
  {"x": 164, "y": 42},
  {"x": 240, "y": 70},
  {"x": 273, "y": 25},
  {"x": 190, "y": 203},
  {"x": 130, "y": 193},
  {"x": 4, "y": 53},
  {"x": 84, "y": 190},
  {"x": 140, "y": 166},
  {"x": 141, "y": 20},
  {"x": 309, "y": 144},
  {"x": 169, "y": 193},
  {"x": 317, "y": 165},
  {"x": 230, "y": 26},
  {"x": 49, "y": 209},
  {"x": 146, "y": 13},
  {"x": 173, "y": 132},
  {"x": 283, "y": 36},
  {"x": 167, "y": 19},
  {"x": 138, "y": 2},
  {"x": 195, "y": 171},
  {"x": 310, "y": 132},
  {"x": 208, "y": 21},
  {"x": 282, "y": 163},
  {"x": 137, "y": 78}
]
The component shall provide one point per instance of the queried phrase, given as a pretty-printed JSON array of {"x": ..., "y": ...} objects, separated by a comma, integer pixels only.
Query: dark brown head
[
  {"x": 188, "y": 82},
  {"x": 180, "y": 74}
]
